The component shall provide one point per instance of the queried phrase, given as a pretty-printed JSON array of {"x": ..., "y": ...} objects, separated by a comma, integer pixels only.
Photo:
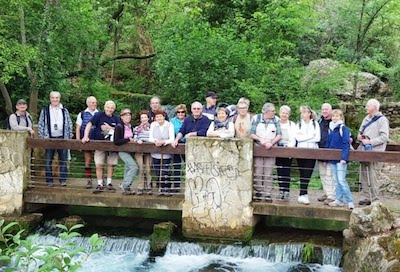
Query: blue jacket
[{"x": 339, "y": 138}]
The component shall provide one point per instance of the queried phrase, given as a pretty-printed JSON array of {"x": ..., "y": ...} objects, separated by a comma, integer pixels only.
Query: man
[
  {"x": 21, "y": 120},
  {"x": 104, "y": 123},
  {"x": 55, "y": 123},
  {"x": 266, "y": 131},
  {"x": 325, "y": 171},
  {"x": 194, "y": 125},
  {"x": 155, "y": 105},
  {"x": 373, "y": 135},
  {"x": 211, "y": 105},
  {"x": 82, "y": 120}
]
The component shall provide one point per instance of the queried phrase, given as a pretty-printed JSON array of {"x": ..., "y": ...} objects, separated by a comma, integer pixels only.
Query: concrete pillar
[
  {"x": 14, "y": 166},
  {"x": 219, "y": 184}
]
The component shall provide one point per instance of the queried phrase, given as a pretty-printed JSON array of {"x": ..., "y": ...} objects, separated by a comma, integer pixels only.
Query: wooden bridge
[{"x": 74, "y": 194}]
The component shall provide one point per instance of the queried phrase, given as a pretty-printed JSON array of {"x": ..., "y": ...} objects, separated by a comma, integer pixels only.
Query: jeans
[
  {"x": 62, "y": 159},
  {"x": 162, "y": 172},
  {"x": 339, "y": 171},
  {"x": 130, "y": 168}
]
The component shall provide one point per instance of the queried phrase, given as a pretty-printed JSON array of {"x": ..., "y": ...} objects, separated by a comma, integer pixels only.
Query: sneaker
[
  {"x": 286, "y": 196},
  {"x": 110, "y": 187},
  {"x": 364, "y": 202},
  {"x": 268, "y": 198},
  {"x": 322, "y": 198},
  {"x": 280, "y": 196},
  {"x": 336, "y": 204},
  {"x": 50, "y": 184},
  {"x": 125, "y": 191},
  {"x": 89, "y": 184},
  {"x": 350, "y": 205},
  {"x": 303, "y": 199},
  {"x": 63, "y": 183},
  {"x": 257, "y": 197},
  {"x": 98, "y": 189},
  {"x": 139, "y": 191},
  {"x": 149, "y": 191},
  {"x": 328, "y": 200}
]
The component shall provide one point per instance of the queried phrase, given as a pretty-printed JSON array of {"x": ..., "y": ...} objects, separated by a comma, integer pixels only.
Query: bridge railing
[{"x": 76, "y": 169}]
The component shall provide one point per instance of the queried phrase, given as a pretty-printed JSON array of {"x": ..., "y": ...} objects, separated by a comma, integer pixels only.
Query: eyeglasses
[
  {"x": 242, "y": 108},
  {"x": 196, "y": 108},
  {"x": 180, "y": 112}
]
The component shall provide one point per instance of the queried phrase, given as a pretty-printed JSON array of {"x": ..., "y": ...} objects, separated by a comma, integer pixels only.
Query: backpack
[{"x": 7, "y": 121}]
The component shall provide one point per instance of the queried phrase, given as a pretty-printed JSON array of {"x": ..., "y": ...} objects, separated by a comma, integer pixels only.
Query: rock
[
  {"x": 360, "y": 86},
  {"x": 371, "y": 220},
  {"x": 28, "y": 222},
  {"x": 71, "y": 221},
  {"x": 160, "y": 238}
]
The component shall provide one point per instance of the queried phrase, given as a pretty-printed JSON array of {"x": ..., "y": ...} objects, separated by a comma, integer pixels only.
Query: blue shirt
[
  {"x": 199, "y": 125},
  {"x": 99, "y": 119}
]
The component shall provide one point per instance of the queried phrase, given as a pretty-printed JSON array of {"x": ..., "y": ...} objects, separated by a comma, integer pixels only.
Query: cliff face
[{"x": 372, "y": 241}]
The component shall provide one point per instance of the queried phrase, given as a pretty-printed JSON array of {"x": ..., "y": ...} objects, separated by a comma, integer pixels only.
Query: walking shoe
[
  {"x": 328, "y": 200},
  {"x": 257, "y": 197},
  {"x": 149, "y": 191},
  {"x": 322, "y": 198},
  {"x": 303, "y": 199},
  {"x": 89, "y": 184},
  {"x": 98, "y": 189},
  {"x": 268, "y": 198},
  {"x": 139, "y": 191},
  {"x": 350, "y": 205},
  {"x": 110, "y": 187},
  {"x": 280, "y": 196},
  {"x": 286, "y": 196},
  {"x": 63, "y": 183},
  {"x": 336, "y": 204},
  {"x": 364, "y": 202},
  {"x": 125, "y": 191},
  {"x": 50, "y": 184}
]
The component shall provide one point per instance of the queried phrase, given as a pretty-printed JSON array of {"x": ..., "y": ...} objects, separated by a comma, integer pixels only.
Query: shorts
[{"x": 100, "y": 157}]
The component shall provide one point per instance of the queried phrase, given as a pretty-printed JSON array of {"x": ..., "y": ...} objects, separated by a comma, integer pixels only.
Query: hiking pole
[{"x": 368, "y": 181}]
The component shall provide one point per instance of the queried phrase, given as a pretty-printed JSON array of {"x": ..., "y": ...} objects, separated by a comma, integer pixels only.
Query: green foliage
[
  {"x": 23, "y": 254},
  {"x": 308, "y": 251}
]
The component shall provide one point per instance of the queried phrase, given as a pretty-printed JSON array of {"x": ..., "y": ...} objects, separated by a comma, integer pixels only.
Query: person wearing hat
[
  {"x": 210, "y": 107},
  {"x": 221, "y": 126},
  {"x": 123, "y": 135},
  {"x": 21, "y": 120}
]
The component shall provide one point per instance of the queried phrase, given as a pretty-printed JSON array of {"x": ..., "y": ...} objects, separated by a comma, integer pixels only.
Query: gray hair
[
  {"x": 267, "y": 107},
  {"x": 90, "y": 98},
  {"x": 327, "y": 105},
  {"x": 244, "y": 100},
  {"x": 155, "y": 98},
  {"x": 374, "y": 103},
  {"x": 110, "y": 102},
  {"x": 55, "y": 93},
  {"x": 286, "y": 108},
  {"x": 196, "y": 103}
]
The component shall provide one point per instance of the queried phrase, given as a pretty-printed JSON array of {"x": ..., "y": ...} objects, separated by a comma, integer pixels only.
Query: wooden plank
[{"x": 284, "y": 152}]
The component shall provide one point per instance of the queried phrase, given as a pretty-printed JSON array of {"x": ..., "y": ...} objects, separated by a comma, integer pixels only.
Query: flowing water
[{"x": 132, "y": 254}]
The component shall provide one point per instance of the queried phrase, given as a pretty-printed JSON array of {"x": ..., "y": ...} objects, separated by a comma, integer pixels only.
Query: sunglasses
[{"x": 180, "y": 112}]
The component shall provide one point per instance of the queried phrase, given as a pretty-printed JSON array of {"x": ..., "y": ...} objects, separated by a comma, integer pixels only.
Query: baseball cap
[
  {"x": 211, "y": 94},
  {"x": 21, "y": 101}
]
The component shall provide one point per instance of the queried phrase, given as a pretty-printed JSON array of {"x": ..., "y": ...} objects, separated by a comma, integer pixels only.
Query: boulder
[{"x": 371, "y": 220}]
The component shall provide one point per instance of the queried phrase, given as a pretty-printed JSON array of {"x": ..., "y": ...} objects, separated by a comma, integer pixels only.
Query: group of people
[{"x": 266, "y": 129}]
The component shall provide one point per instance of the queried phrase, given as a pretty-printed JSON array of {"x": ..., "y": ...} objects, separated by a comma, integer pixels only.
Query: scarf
[{"x": 333, "y": 125}]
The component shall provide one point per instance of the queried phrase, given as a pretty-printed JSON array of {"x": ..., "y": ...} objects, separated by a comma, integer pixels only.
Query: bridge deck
[{"x": 76, "y": 194}]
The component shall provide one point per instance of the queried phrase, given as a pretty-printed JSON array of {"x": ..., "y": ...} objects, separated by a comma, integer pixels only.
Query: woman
[
  {"x": 141, "y": 135},
  {"x": 161, "y": 134},
  {"x": 307, "y": 135},
  {"x": 339, "y": 138},
  {"x": 221, "y": 126},
  {"x": 242, "y": 120},
  {"x": 284, "y": 164},
  {"x": 124, "y": 134},
  {"x": 177, "y": 122}
]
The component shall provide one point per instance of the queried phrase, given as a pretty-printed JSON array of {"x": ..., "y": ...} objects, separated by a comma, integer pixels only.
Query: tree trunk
[
  {"x": 7, "y": 99},
  {"x": 146, "y": 48},
  {"x": 34, "y": 94}
]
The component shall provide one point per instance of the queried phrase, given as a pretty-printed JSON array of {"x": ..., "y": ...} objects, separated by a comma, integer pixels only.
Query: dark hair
[
  {"x": 144, "y": 112},
  {"x": 162, "y": 112}
]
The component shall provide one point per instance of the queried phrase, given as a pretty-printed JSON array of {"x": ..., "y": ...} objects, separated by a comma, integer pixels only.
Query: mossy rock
[{"x": 160, "y": 238}]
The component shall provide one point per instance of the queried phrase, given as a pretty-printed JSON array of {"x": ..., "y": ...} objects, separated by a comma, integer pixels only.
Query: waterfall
[{"x": 272, "y": 253}]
